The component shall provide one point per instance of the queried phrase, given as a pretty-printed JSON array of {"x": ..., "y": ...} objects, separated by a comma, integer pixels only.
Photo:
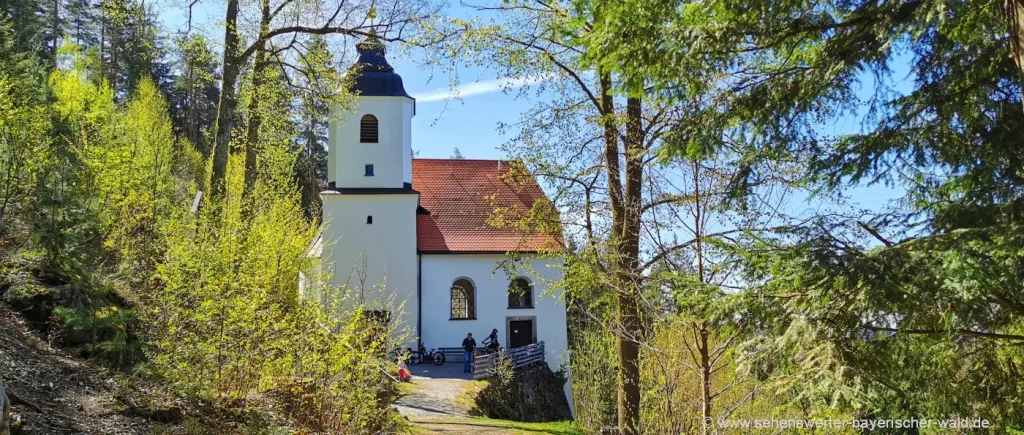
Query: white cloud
[{"x": 476, "y": 88}]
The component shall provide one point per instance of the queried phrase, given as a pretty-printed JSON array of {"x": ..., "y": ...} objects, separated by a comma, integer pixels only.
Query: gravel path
[{"x": 435, "y": 393}]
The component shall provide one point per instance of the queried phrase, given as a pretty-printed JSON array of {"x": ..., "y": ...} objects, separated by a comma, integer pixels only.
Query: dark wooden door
[{"x": 520, "y": 333}]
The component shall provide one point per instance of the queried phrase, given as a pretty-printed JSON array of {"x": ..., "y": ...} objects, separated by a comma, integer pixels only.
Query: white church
[{"x": 419, "y": 227}]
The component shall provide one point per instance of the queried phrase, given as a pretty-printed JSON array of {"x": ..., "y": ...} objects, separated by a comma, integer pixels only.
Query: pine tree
[
  {"x": 28, "y": 33},
  {"x": 82, "y": 23},
  {"x": 193, "y": 101},
  {"x": 131, "y": 48}
]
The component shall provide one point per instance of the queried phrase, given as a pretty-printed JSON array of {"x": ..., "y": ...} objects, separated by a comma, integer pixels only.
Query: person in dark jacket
[
  {"x": 492, "y": 341},
  {"x": 468, "y": 346}
]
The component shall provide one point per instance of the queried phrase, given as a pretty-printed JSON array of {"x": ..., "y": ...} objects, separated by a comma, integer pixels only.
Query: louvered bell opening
[{"x": 368, "y": 129}]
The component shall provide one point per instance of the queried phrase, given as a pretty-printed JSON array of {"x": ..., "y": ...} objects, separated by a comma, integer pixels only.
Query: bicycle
[
  {"x": 437, "y": 357},
  {"x": 406, "y": 354},
  {"x": 487, "y": 350}
]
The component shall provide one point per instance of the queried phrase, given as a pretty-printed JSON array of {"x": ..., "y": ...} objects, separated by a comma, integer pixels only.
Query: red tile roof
[{"x": 465, "y": 197}]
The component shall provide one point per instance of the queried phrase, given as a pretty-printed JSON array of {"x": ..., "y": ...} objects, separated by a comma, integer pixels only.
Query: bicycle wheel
[
  {"x": 438, "y": 358},
  {"x": 416, "y": 358}
]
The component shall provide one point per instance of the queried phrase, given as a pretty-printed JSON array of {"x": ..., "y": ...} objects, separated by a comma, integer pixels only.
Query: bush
[
  {"x": 227, "y": 321},
  {"x": 103, "y": 333}
]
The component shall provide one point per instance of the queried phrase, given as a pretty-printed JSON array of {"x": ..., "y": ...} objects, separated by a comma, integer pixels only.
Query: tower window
[
  {"x": 368, "y": 171},
  {"x": 368, "y": 129},
  {"x": 369, "y": 219}
]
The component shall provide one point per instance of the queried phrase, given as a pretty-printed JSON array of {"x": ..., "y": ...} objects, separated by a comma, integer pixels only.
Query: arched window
[
  {"x": 463, "y": 299},
  {"x": 369, "y": 219},
  {"x": 368, "y": 129},
  {"x": 520, "y": 293}
]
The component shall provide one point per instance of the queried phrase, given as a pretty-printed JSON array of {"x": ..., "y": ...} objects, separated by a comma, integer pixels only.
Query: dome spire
[{"x": 375, "y": 76}]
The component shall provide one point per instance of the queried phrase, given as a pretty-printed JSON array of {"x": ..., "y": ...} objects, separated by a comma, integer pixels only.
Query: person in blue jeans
[{"x": 469, "y": 346}]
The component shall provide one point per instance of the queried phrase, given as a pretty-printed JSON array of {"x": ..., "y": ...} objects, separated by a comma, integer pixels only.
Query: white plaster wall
[
  {"x": 391, "y": 156},
  {"x": 439, "y": 272},
  {"x": 389, "y": 245}
]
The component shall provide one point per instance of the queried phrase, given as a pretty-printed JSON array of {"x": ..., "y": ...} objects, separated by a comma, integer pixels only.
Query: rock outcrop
[{"x": 531, "y": 394}]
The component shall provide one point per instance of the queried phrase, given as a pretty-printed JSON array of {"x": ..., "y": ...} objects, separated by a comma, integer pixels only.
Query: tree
[
  {"x": 872, "y": 307},
  {"x": 601, "y": 140},
  {"x": 195, "y": 94},
  {"x": 82, "y": 22},
  {"x": 291, "y": 20},
  {"x": 130, "y": 48},
  {"x": 317, "y": 83},
  {"x": 544, "y": 42},
  {"x": 28, "y": 31},
  {"x": 23, "y": 130},
  {"x": 456, "y": 154}
]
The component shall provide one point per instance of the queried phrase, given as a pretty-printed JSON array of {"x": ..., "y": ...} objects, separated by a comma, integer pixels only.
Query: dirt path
[
  {"x": 52, "y": 393},
  {"x": 435, "y": 391}
]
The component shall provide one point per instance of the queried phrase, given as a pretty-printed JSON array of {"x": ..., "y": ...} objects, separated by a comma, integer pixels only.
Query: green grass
[
  {"x": 466, "y": 400},
  {"x": 427, "y": 425},
  {"x": 406, "y": 388}
]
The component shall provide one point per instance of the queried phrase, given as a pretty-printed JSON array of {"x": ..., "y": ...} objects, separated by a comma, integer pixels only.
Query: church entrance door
[{"x": 520, "y": 333}]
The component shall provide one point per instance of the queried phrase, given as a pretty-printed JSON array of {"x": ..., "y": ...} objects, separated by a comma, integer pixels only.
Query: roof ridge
[{"x": 464, "y": 160}]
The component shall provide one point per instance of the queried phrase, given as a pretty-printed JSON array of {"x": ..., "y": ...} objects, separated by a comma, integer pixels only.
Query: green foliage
[
  {"x": 104, "y": 333},
  {"x": 134, "y": 178},
  {"x": 134, "y": 51},
  {"x": 207, "y": 302},
  {"x": 23, "y": 127},
  {"x": 228, "y": 321},
  {"x": 64, "y": 216},
  {"x": 592, "y": 358},
  {"x": 195, "y": 93},
  {"x": 912, "y": 310}
]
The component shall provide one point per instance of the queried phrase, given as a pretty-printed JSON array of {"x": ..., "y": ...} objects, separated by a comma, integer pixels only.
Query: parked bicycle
[
  {"x": 406, "y": 354},
  {"x": 424, "y": 355}
]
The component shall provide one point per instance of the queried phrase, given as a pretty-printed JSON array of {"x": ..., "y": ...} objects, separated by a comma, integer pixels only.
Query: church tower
[
  {"x": 369, "y": 208},
  {"x": 373, "y": 143}
]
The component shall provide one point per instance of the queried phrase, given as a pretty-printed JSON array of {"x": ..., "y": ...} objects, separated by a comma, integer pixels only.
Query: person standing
[{"x": 469, "y": 346}]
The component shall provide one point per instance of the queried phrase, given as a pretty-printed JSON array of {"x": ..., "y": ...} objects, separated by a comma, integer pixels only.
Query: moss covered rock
[{"x": 530, "y": 394}]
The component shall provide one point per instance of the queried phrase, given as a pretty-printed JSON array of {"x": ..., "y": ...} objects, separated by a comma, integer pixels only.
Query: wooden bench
[{"x": 453, "y": 354}]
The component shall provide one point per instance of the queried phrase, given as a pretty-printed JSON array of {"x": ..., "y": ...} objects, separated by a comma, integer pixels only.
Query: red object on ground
[{"x": 404, "y": 375}]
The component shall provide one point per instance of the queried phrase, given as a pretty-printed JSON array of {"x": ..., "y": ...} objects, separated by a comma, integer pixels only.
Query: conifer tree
[{"x": 193, "y": 100}]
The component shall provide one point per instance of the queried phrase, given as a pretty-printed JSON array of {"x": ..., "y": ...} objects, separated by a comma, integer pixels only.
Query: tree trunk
[
  {"x": 224, "y": 122},
  {"x": 1015, "y": 19},
  {"x": 252, "y": 135},
  {"x": 701, "y": 329},
  {"x": 103, "y": 36},
  {"x": 56, "y": 30},
  {"x": 705, "y": 380},
  {"x": 627, "y": 245}
]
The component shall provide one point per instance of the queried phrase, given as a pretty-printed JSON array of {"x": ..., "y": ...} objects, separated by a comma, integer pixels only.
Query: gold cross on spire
[{"x": 372, "y": 14}]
